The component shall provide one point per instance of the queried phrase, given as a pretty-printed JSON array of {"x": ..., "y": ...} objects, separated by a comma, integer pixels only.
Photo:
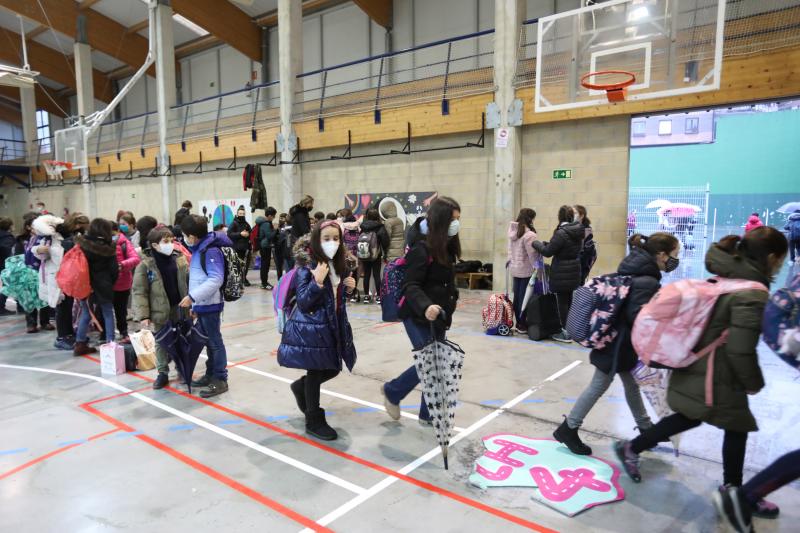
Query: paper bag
[
  {"x": 112, "y": 359},
  {"x": 144, "y": 344}
]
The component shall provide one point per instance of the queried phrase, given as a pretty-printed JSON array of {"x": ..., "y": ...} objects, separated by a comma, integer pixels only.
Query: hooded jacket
[
  {"x": 521, "y": 255},
  {"x": 752, "y": 223},
  {"x": 394, "y": 228},
  {"x": 266, "y": 233},
  {"x": 792, "y": 226},
  {"x": 103, "y": 267},
  {"x": 240, "y": 244},
  {"x": 6, "y": 247},
  {"x": 128, "y": 259},
  {"x": 646, "y": 281},
  {"x": 736, "y": 369},
  {"x": 150, "y": 300},
  {"x": 299, "y": 221},
  {"x": 50, "y": 261},
  {"x": 317, "y": 334},
  {"x": 205, "y": 284},
  {"x": 565, "y": 248},
  {"x": 373, "y": 226}
]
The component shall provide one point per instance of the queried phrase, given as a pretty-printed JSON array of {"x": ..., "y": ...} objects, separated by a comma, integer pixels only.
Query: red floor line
[
  {"x": 90, "y": 358},
  {"x": 237, "y": 324},
  {"x": 58, "y": 451},
  {"x": 237, "y": 363},
  {"x": 120, "y": 395},
  {"x": 15, "y": 334},
  {"x": 387, "y": 325},
  {"x": 210, "y": 472}
]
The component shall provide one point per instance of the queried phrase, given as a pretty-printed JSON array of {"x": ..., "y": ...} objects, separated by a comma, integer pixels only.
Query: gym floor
[{"x": 84, "y": 453}]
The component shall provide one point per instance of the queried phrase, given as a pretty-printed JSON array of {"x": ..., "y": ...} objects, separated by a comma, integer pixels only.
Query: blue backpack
[{"x": 782, "y": 313}]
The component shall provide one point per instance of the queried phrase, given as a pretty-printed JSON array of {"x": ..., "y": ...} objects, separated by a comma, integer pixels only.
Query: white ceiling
[
  {"x": 104, "y": 62},
  {"x": 256, "y": 7},
  {"x": 57, "y": 41},
  {"x": 126, "y": 12}
]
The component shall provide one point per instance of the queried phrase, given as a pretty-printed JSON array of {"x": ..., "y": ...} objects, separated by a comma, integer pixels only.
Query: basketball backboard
[
  {"x": 672, "y": 47},
  {"x": 71, "y": 146}
]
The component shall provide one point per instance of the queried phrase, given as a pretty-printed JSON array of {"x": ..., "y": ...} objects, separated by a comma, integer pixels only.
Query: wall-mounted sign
[{"x": 562, "y": 174}]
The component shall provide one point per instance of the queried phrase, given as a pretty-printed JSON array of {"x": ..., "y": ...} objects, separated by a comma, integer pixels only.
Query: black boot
[
  {"x": 569, "y": 437},
  {"x": 299, "y": 391},
  {"x": 316, "y": 426},
  {"x": 162, "y": 380}
]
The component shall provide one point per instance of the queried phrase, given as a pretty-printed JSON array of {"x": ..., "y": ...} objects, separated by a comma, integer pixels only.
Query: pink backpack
[
  {"x": 498, "y": 315},
  {"x": 670, "y": 326}
]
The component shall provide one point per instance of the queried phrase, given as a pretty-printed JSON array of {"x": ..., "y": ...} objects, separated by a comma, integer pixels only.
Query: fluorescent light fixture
[
  {"x": 183, "y": 21},
  {"x": 639, "y": 13}
]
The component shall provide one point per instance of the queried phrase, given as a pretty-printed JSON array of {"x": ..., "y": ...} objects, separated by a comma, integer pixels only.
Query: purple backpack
[
  {"x": 595, "y": 307},
  {"x": 283, "y": 298},
  {"x": 351, "y": 240}
]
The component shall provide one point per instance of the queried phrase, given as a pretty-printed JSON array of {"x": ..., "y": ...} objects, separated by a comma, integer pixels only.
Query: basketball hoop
[
  {"x": 615, "y": 91},
  {"x": 54, "y": 168}
]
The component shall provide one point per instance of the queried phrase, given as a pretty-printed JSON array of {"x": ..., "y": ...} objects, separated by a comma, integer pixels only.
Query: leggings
[
  {"x": 733, "y": 446},
  {"x": 782, "y": 472},
  {"x": 564, "y": 300},
  {"x": 597, "y": 387},
  {"x": 314, "y": 381},
  {"x": 120, "y": 302},
  {"x": 372, "y": 269}
]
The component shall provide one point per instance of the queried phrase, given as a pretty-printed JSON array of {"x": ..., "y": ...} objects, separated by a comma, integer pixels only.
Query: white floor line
[
  {"x": 390, "y": 480},
  {"x": 206, "y": 425}
]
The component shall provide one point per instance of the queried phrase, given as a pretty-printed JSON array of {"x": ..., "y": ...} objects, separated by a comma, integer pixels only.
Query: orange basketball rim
[{"x": 616, "y": 91}]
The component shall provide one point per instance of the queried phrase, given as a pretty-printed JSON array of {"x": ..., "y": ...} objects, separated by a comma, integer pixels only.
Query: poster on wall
[
  {"x": 222, "y": 212},
  {"x": 409, "y": 205}
]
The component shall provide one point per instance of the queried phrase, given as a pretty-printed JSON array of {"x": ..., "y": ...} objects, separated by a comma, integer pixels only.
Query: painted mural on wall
[
  {"x": 566, "y": 482},
  {"x": 409, "y": 205},
  {"x": 223, "y": 211}
]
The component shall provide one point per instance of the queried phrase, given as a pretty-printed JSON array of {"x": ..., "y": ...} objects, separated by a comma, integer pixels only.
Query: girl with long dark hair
[
  {"x": 588, "y": 255},
  {"x": 430, "y": 293},
  {"x": 521, "y": 260}
]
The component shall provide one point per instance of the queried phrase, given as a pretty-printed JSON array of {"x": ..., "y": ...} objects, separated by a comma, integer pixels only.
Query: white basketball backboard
[
  {"x": 71, "y": 146},
  {"x": 672, "y": 47}
]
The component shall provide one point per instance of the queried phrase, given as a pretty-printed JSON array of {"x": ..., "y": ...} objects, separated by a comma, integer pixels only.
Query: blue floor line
[
  {"x": 534, "y": 400},
  {"x": 230, "y": 422},
  {"x": 410, "y": 406},
  {"x": 492, "y": 402},
  {"x": 365, "y": 409},
  {"x": 570, "y": 400},
  {"x": 276, "y": 418},
  {"x": 179, "y": 427},
  {"x": 127, "y": 434},
  {"x": 76, "y": 441},
  {"x": 15, "y": 450}
]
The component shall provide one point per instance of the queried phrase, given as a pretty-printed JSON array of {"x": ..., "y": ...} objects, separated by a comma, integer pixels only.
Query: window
[
  {"x": 692, "y": 125},
  {"x": 43, "y": 130},
  {"x": 639, "y": 128},
  {"x": 665, "y": 127}
]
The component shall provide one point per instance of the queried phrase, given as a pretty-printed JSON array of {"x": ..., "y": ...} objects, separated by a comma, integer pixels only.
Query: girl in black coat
[
  {"x": 565, "y": 270},
  {"x": 239, "y": 234},
  {"x": 648, "y": 257},
  {"x": 101, "y": 254},
  {"x": 430, "y": 292}
]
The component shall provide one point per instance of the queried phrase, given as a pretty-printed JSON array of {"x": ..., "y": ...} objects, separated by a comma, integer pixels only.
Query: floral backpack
[{"x": 595, "y": 308}]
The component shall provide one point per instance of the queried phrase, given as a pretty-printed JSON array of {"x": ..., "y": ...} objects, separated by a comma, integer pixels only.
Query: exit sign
[{"x": 562, "y": 174}]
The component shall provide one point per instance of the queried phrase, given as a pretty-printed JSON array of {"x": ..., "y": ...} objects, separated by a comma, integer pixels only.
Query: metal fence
[{"x": 12, "y": 149}]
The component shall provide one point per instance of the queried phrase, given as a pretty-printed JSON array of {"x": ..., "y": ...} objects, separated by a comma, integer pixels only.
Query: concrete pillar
[
  {"x": 290, "y": 64},
  {"x": 165, "y": 95},
  {"x": 508, "y": 16},
  {"x": 27, "y": 101},
  {"x": 85, "y": 98}
]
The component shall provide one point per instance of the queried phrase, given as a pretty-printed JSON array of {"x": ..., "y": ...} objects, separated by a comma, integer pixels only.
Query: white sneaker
[{"x": 392, "y": 409}]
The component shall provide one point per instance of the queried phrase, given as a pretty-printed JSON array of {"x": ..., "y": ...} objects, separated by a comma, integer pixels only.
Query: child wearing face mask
[
  {"x": 128, "y": 259},
  {"x": 160, "y": 282},
  {"x": 317, "y": 336},
  {"x": 649, "y": 257},
  {"x": 735, "y": 372},
  {"x": 239, "y": 234}
]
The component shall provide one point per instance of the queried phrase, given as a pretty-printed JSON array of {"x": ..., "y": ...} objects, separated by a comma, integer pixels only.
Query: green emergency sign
[{"x": 562, "y": 174}]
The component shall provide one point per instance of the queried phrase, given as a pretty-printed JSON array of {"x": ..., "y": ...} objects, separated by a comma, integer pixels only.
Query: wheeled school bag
[
  {"x": 542, "y": 313},
  {"x": 367, "y": 248},
  {"x": 595, "y": 308},
  {"x": 233, "y": 283},
  {"x": 497, "y": 315}
]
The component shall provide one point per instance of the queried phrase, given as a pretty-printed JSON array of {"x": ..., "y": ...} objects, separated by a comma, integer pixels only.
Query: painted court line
[
  {"x": 205, "y": 425},
  {"x": 387, "y": 482}
]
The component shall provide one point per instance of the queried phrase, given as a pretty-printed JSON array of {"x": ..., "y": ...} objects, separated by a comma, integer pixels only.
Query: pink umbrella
[{"x": 676, "y": 210}]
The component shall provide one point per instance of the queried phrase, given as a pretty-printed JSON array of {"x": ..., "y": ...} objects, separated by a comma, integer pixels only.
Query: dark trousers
[
  {"x": 217, "y": 362},
  {"x": 266, "y": 259},
  {"x": 64, "y": 318},
  {"x": 279, "y": 262},
  {"x": 120, "y": 302},
  {"x": 42, "y": 316},
  {"x": 314, "y": 381},
  {"x": 520, "y": 286},
  {"x": 733, "y": 446},
  {"x": 372, "y": 270},
  {"x": 564, "y": 300},
  {"x": 782, "y": 472},
  {"x": 794, "y": 248}
]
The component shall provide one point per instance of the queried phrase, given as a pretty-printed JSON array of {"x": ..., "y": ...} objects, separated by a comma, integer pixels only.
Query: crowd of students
[{"x": 171, "y": 270}]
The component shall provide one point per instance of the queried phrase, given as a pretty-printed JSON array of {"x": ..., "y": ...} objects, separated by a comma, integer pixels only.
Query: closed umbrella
[
  {"x": 439, "y": 368},
  {"x": 183, "y": 341},
  {"x": 653, "y": 382},
  {"x": 791, "y": 207},
  {"x": 530, "y": 290}
]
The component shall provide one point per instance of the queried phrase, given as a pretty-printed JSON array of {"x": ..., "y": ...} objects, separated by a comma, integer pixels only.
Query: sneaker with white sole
[
  {"x": 732, "y": 509},
  {"x": 392, "y": 409}
]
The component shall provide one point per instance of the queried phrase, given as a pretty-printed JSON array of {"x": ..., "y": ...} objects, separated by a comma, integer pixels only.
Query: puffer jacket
[
  {"x": 373, "y": 226},
  {"x": 205, "y": 284},
  {"x": 128, "y": 259},
  {"x": 49, "y": 262},
  {"x": 736, "y": 369},
  {"x": 317, "y": 335},
  {"x": 646, "y": 281},
  {"x": 752, "y": 223},
  {"x": 240, "y": 244},
  {"x": 150, "y": 299},
  {"x": 103, "y": 267},
  {"x": 267, "y": 235},
  {"x": 565, "y": 248},
  {"x": 395, "y": 229},
  {"x": 521, "y": 255},
  {"x": 427, "y": 281}
]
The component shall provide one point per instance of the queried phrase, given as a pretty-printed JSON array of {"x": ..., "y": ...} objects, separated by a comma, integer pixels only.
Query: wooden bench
[{"x": 472, "y": 279}]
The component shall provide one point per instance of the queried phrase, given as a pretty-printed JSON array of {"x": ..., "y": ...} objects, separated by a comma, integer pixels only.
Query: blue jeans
[
  {"x": 401, "y": 386},
  {"x": 520, "y": 286},
  {"x": 107, "y": 308},
  {"x": 215, "y": 349}
]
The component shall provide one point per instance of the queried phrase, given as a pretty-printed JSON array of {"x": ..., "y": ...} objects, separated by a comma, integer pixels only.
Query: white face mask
[
  {"x": 452, "y": 230},
  {"x": 330, "y": 248},
  {"x": 165, "y": 248}
]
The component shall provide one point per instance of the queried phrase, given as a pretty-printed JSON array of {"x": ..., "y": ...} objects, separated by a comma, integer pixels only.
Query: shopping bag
[
  {"x": 112, "y": 359},
  {"x": 144, "y": 344}
]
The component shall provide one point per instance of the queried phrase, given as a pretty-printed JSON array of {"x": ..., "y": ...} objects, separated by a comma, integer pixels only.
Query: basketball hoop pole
[{"x": 25, "y": 64}]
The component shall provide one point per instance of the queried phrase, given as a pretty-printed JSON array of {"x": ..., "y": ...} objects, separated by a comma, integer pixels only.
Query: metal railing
[{"x": 12, "y": 150}]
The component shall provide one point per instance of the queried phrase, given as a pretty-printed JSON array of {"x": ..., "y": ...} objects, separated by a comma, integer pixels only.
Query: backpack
[
  {"x": 595, "y": 308},
  {"x": 392, "y": 299},
  {"x": 351, "y": 240},
  {"x": 73, "y": 275},
  {"x": 465, "y": 267},
  {"x": 498, "y": 315},
  {"x": 233, "y": 283},
  {"x": 183, "y": 250},
  {"x": 255, "y": 240},
  {"x": 794, "y": 230},
  {"x": 367, "y": 248},
  {"x": 283, "y": 298},
  {"x": 670, "y": 326},
  {"x": 781, "y": 314}
]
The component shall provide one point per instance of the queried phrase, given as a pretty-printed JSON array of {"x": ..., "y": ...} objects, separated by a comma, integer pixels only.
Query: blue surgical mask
[
  {"x": 124, "y": 228},
  {"x": 452, "y": 230}
]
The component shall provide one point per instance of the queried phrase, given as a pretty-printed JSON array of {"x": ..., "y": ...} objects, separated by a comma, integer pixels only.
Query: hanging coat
[{"x": 258, "y": 198}]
